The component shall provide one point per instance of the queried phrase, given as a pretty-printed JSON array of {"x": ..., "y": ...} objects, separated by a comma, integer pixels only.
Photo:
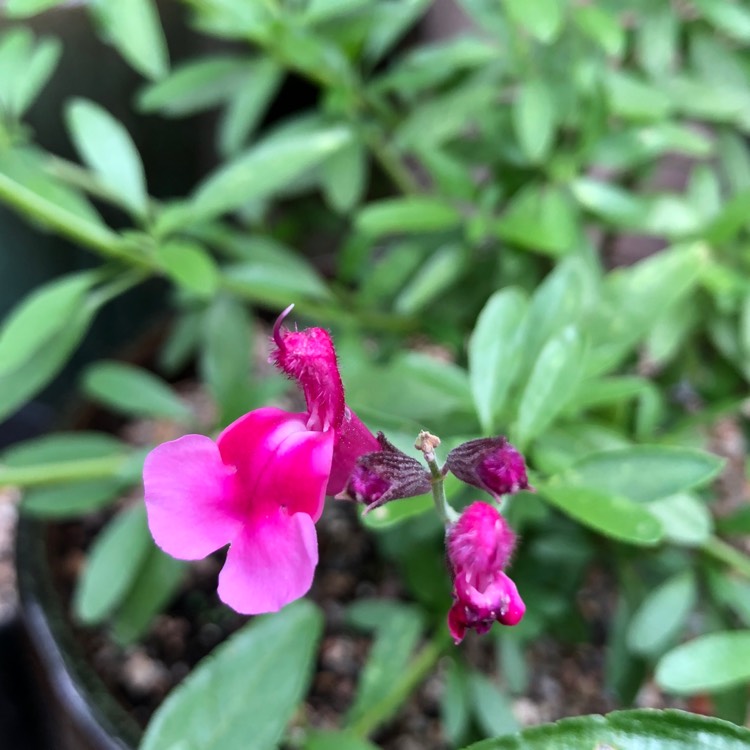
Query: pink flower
[
  {"x": 479, "y": 546},
  {"x": 261, "y": 486}
]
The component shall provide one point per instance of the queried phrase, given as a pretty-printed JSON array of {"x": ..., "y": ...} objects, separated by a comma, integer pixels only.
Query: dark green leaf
[
  {"x": 133, "y": 390},
  {"x": 112, "y": 565},
  {"x": 627, "y": 730},
  {"x": 71, "y": 499},
  {"x": 715, "y": 661},
  {"x": 334, "y": 740},
  {"x": 255, "y": 681},
  {"x": 612, "y": 515},
  {"x": 662, "y": 614}
]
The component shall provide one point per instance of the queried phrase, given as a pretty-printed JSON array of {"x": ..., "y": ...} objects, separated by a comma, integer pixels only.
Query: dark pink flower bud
[
  {"x": 385, "y": 475},
  {"x": 492, "y": 464},
  {"x": 479, "y": 547}
]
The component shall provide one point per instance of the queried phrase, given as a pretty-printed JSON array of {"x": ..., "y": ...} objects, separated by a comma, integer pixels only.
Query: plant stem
[
  {"x": 403, "y": 686},
  {"x": 62, "y": 471},
  {"x": 426, "y": 443},
  {"x": 720, "y": 550}
]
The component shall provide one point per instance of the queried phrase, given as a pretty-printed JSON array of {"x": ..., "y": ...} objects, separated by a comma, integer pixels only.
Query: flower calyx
[{"x": 385, "y": 475}]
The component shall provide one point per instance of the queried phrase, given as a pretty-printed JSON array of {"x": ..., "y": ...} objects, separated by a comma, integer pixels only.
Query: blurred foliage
[{"x": 472, "y": 195}]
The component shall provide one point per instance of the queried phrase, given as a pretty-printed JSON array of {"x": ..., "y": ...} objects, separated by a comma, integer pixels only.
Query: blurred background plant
[{"x": 464, "y": 211}]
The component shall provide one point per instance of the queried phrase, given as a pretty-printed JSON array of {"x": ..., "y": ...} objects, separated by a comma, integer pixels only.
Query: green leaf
[
  {"x": 106, "y": 147},
  {"x": 133, "y": 390},
  {"x": 731, "y": 19},
  {"x": 609, "y": 202},
  {"x": 156, "y": 583},
  {"x": 71, "y": 499},
  {"x": 26, "y": 8},
  {"x": 397, "y": 631},
  {"x": 112, "y": 565},
  {"x": 434, "y": 276},
  {"x": 685, "y": 519},
  {"x": 552, "y": 383},
  {"x": 491, "y": 707},
  {"x": 40, "y": 317},
  {"x": 612, "y": 515},
  {"x": 265, "y": 169},
  {"x": 321, "y": 739},
  {"x": 18, "y": 385},
  {"x": 455, "y": 702},
  {"x": 634, "y": 99},
  {"x": 195, "y": 86},
  {"x": 133, "y": 27},
  {"x": 627, "y": 730},
  {"x": 534, "y": 119},
  {"x": 38, "y": 70},
  {"x": 190, "y": 266},
  {"x": 644, "y": 473},
  {"x": 543, "y": 19},
  {"x": 495, "y": 349},
  {"x": 413, "y": 214},
  {"x": 344, "y": 176},
  {"x": 711, "y": 662},
  {"x": 602, "y": 26},
  {"x": 62, "y": 446},
  {"x": 255, "y": 680},
  {"x": 662, "y": 614}
]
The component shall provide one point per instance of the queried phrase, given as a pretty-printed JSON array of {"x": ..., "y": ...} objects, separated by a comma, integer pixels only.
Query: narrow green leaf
[
  {"x": 108, "y": 149},
  {"x": 534, "y": 119},
  {"x": 255, "y": 681},
  {"x": 71, "y": 499},
  {"x": 645, "y": 472},
  {"x": 716, "y": 661},
  {"x": 344, "y": 176},
  {"x": 265, "y": 169},
  {"x": 437, "y": 274},
  {"x": 62, "y": 446},
  {"x": 335, "y": 740},
  {"x": 112, "y": 565},
  {"x": 133, "y": 390},
  {"x": 602, "y": 26},
  {"x": 156, "y": 583},
  {"x": 39, "y": 70},
  {"x": 612, "y": 515},
  {"x": 134, "y": 28},
  {"x": 455, "y": 703},
  {"x": 662, "y": 614},
  {"x": 685, "y": 518},
  {"x": 627, "y": 730},
  {"x": 543, "y": 19},
  {"x": 491, "y": 707},
  {"x": 552, "y": 383},
  {"x": 730, "y": 18},
  {"x": 190, "y": 266},
  {"x": 39, "y": 317},
  {"x": 495, "y": 352},
  {"x": 414, "y": 214}
]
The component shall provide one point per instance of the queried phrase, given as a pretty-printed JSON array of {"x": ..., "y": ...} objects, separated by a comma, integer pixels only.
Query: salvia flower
[
  {"x": 261, "y": 485},
  {"x": 492, "y": 464},
  {"x": 479, "y": 547},
  {"x": 385, "y": 475}
]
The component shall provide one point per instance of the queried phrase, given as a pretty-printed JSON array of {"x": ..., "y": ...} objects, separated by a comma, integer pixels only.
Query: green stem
[
  {"x": 392, "y": 164},
  {"x": 409, "y": 680},
  {"x": 62, "y": 471},
  {"x": 720, "y": 550},
  {"x": 445, "y": 511}
]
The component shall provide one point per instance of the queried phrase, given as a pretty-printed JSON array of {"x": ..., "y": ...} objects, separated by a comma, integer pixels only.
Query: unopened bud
[{"x": 492, "y": 464}]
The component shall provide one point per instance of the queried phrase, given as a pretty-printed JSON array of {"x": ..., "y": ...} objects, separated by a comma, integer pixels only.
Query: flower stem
[
  {"x": 410, "y": 679},
  {"x": 427, "y": 443},
  {"x": 720, "y": 550}
]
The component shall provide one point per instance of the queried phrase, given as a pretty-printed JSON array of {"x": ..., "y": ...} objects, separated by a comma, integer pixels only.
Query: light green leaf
[
  {"x": 552, "y": 383},
  {"x": 543, "y": 19},
  {"x": 645, "y": 472},
  {"x": 255, "y": 681},
  {"x": 266, "y": 168},
  {"x": 612, "y": 515},
  {"x": 433, "y": 277},
  {"x": 344, "y": 176},
  {"x": 609, "y": 202},
  {"x": 455, "y": 704},
  {"x": 133, "y": 390},
  {"x": 634, "y": 99},
  {"x": 39, "y": 69},
  {"x": 134, "y": 28},
  {"x": 26, "y": 8},
  {"x": 662, "y": 614},
  {"x": 112, "y": 565},
  {"x": 491, "y": 707},
  {"x": 71, "y": 499},
  {"x": 534, "y": 119},
  {"x": 41, "y": 316},
  {"x": 495, "y": 350},
  {"x": 413, "y": 214},
  {"x": 107, "y": 148},
  {"x": 190, "y": 266},
  {"x": 602, "y": 26},
  {"x": 712, "y": 662},
  {"x": 732, "y": 19},
  {"x": 627, "y": 730},
  {"x": 685, "y": 518},
  {"x": 62, "y": 446}
]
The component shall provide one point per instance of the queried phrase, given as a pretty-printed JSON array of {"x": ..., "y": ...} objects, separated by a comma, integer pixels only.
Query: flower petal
[
  {"x": 296, "y": 477},
  {"x": 353, "y": 440},
  {"x": 270, "y": 564},
  {"x": 190, "y": 497}
]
